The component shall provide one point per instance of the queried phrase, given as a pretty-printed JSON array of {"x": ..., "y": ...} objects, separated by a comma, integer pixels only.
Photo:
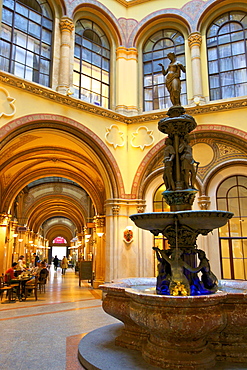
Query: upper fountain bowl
[{"x": 204, "y": 220}]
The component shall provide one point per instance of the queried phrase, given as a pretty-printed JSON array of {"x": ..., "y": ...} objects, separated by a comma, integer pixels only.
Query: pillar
[
  {"x": 66, "y": 27},
  {"x": 195, "y": 40},
  {"x": 126, "y": 86}
]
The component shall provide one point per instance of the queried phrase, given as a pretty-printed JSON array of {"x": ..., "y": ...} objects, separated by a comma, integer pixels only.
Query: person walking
[
  {"x": 64, "y": 265},
  {"x": 55, "y": 263}
]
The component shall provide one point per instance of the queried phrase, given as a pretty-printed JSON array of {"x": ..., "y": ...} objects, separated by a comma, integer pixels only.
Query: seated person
[
  {"x": 43, "y": 272},
  {"x": 36, "y": 270},
  {"x": 11, "y": 272}
]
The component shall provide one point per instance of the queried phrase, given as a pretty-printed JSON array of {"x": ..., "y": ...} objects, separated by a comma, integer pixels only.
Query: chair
[
  {"x": 42, "y": 281},
  {"x": 32, "y": 287},
  {"x": 5, "y": 288},
  {"x": 15, "y": 287}
]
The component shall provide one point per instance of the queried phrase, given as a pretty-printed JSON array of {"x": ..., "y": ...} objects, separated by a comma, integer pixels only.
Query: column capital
[
  {"x": 195, "y": 39},
  {"x": 126, "y": 53},
  {"x": 66, "y": 24},
  {"x": 204, "y": 201}
]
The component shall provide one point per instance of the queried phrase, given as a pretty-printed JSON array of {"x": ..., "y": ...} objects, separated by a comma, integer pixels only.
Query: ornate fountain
[{"x": 181, "y": 320}]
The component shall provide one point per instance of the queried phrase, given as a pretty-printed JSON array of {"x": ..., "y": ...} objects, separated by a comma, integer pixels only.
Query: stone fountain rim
[{"x": 183, "y": 213}]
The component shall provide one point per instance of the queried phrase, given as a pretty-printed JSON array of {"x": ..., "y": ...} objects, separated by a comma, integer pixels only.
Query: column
[
  {"x": 4, "y": 240},
  {"x": 66, "y": 27},
  {"x": 195, "y": 40},
  {"x": 126, "y": 99}
]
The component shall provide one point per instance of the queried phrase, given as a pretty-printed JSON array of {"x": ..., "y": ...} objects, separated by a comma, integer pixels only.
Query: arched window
[
  {"x": 232, "y": 196},
  {"x": 226, "y": 45},
  {"x": 155, "y": 51},
  {"x": 26, "y": 38},
  {"x": 91, "y": 77}
]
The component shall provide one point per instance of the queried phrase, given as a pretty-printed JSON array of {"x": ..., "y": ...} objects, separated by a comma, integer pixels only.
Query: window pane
[
  {"x": 226, "y": 78},
  {"x": 237, "y": 36},
  {"x": 34, "y": 29},
  {"x": 239, "y": 61},
  {"x": 225, "y": 248},
  {"x": 238, "y": 269},
  {"x": 224, "y": 51},
  {"x": 212, "y": 54},
  {"x": 46, "y": 36},
  {"x": 35, "y": 17},
  {"x": 86, "y": 68},
  {"x": 226, "y": 268},
  {"x": 238, "y": 48},
  {"x": 241, "y": 90},
  {"x": 6, "y": 32},
  {"x": 213, "y": 67},
  {"x": 44, "y": 66},
  {"x": 225, "y": 185},
  {"x": 243, "y": 206},
  {"x": 221, "y": 204},
  {"x": 233, "y": 192},
  {"x": 105, "y": 90},
  {"x": 224, "y": 39},
  {"x": 228, "y": 92},
  {"x": 224, "y": 230},
  {"x": 21, "y": 22},
  {"x": 18, "y": 69},
  {"x": 240, "y": 76},
  {"x": 235, "y": 227},
  {"x": 214, "y": 81},
  {"x": 96, "y": 86},
  {"x": 147, "y": 68},
  {"x": 86, "y": 82},
  {"x": 76, "y": 79},
  {"x": 21, "y": 9},
  {"x": 86, "y": 55},
  {"x": 4, "y": 64},
  {"x": 148, "y": 94},
  {"x": 105, "y": 102},
  {"x": 147, "y": 81},
  {"x": 225, "y": 64},
  {"x": 96, "y": 59},
  {"x": 233, "y": 206},
  {"x": 215, "y": 94},
  {"x": 96, "y": 72},
  {"x": 5, "y": 48},
  {"x": 105, "y": 77},
  {"x": 237, "y": 248}
]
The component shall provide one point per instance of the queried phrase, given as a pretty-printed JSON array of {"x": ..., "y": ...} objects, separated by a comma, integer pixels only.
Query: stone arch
[
  {"x": 97, "y": 11},
  {"x": 110, "y": 174},
  {"x": 152, "y": 166},
  {"x": 174, "y": 17}
]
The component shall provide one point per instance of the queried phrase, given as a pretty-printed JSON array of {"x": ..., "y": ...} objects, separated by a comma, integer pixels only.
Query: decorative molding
[
  {"x": 115, "y": 210},
  {"x": 138, "y": 137},
  {"x": 126, "y": 53},
  {"x": 7, "y": 99},
  {"x": 66, "y": 24},
  {"x": 47, "y": 93},
  {"x": 114, "y": 136},
  {"x": 195, "y": 39}
]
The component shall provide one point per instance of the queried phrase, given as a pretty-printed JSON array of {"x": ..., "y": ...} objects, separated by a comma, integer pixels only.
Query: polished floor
[{"x": 45, "y": 334}]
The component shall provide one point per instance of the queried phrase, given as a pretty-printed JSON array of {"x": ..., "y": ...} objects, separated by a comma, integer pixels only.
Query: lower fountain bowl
[{"x": 179, "y": 332}]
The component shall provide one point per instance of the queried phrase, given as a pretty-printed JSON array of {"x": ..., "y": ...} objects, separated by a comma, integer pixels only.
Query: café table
[{"x": 22, "y": 280}]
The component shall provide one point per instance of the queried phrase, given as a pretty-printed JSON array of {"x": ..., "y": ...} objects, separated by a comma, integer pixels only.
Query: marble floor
[{"x": 45, "y": 334}]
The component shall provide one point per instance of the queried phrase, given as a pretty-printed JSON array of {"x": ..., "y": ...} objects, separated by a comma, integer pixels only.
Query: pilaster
[
  {"x": 126, "y": 60},
  {"x": 195, "y": 40},
  {"x": 66, "y": 28}
]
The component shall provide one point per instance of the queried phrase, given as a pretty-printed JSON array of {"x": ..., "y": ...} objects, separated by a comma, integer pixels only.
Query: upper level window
[
  {"x": 226, "y": 45},
  {"x": 91, "y": 77},
  {"x": 155, "y": 51},
  {"x": 26, "y": 38}
]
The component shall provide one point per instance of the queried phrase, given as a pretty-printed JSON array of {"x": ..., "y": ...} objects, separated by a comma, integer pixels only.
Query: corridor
[{"x": 44, "y": 334}]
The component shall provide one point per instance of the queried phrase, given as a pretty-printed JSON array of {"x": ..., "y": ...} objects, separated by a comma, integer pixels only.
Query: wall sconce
[
  {"x": 15, "y": 235},
  {"x": 128, "y": 234},
  {"x": 100, "y": 234}
]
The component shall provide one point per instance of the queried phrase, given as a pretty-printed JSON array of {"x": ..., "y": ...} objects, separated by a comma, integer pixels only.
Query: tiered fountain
[{"x": 181, "y": 320}]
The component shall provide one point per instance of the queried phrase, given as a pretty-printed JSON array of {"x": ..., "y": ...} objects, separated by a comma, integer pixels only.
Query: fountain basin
[
  {"x": 181, "y": 332},
  {"x": 204, "y": 220}
]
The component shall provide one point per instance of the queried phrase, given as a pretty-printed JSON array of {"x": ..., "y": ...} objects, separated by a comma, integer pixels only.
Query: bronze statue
[
  {"x": 169, "y": 155},
  {"x": 188, "y": 168},
  {"x": 208, "y": 278},
  {"x": 172, "y": 73}
]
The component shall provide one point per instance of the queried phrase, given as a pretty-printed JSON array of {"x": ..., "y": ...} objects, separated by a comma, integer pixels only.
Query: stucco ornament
[
  {"x": 114, "y": 136},
  {"x": 7, "y": 107},
  {"x": 142, "y": 137}
]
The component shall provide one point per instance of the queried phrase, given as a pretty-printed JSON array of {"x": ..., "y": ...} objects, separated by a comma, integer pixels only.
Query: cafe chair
[
  {"x": 5, "y": 288},
  {"x": 15, "y": 287},
  {"x": 32, "y": 288},
  {"x": 42, "y": 282}
]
